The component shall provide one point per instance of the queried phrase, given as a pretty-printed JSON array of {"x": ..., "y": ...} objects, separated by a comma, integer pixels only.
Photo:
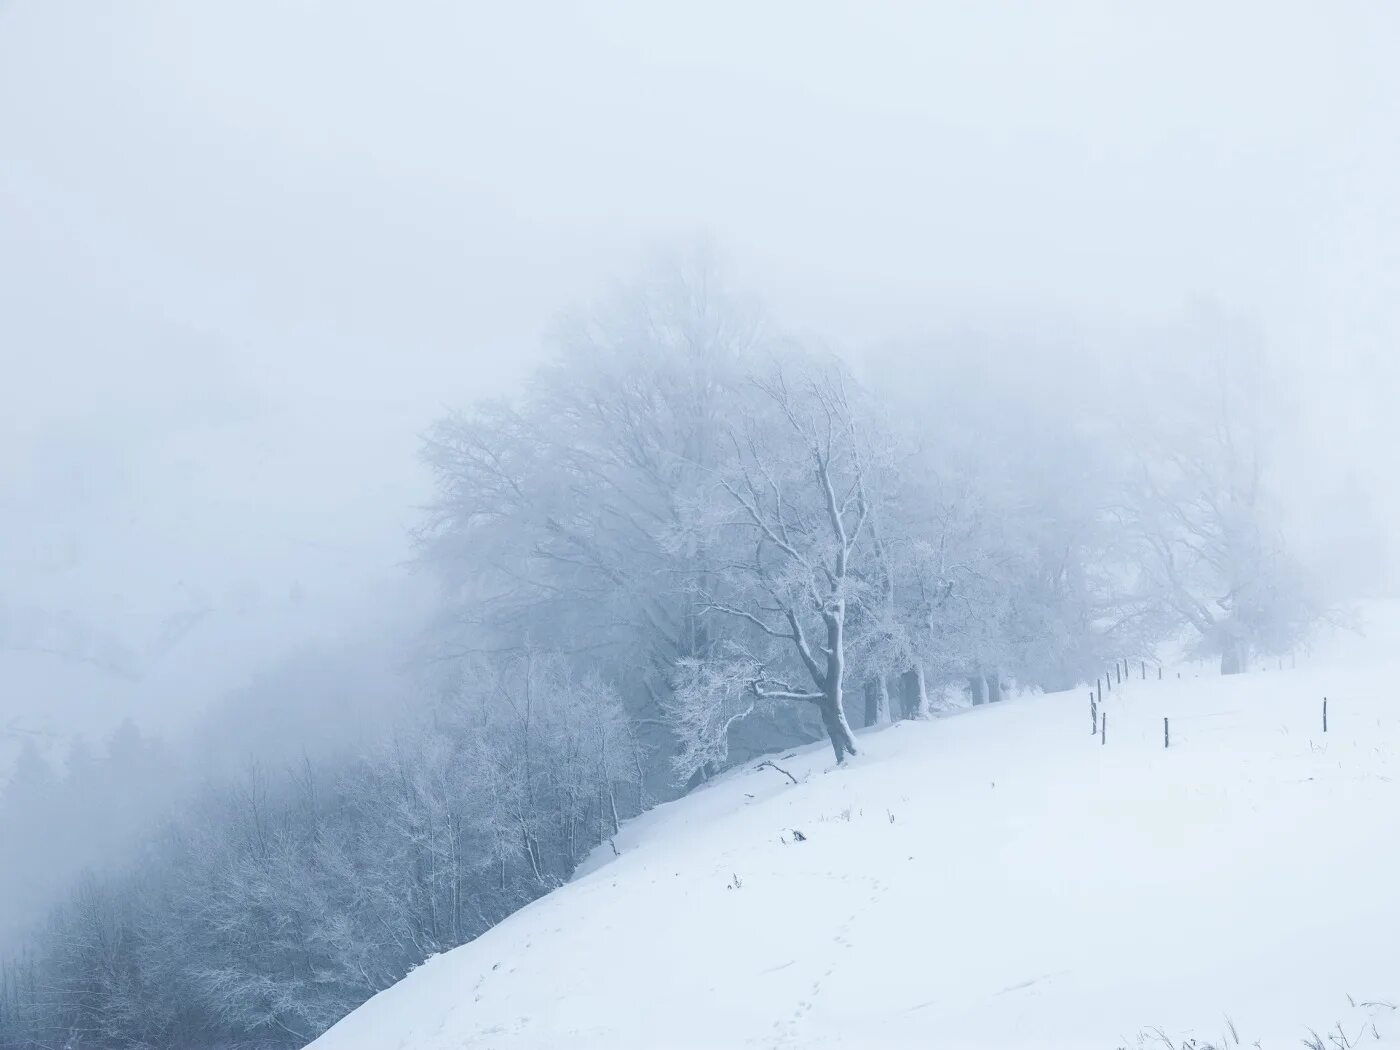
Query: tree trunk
[
  {"x": 907, "y": 702},
  {"x": 837, "y": 728},
  {"x": 993, "y": 687},
  {"x": 977, "y": 685},
  {"x": 700, "y": 776},
  {"x": 832, "y": 683},
  {"x": 1234, "y": 659},
  {"x": 915, "y": 693},
  {"x": 532, "y": 854},
  {"x": 877, "y": 701}
]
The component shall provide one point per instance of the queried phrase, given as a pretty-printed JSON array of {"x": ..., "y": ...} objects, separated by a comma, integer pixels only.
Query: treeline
[
  {"x": 688, "y": 540},
  {"x": 276, "y": 904},
  {"x": 91, "y": 813}
]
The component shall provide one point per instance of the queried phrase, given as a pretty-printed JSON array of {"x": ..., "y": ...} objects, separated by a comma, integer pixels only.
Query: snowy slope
[{"x": 997, "y": 878}]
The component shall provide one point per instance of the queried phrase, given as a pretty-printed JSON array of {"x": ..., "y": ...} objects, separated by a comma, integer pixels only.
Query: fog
[{"x": 250, "y": 251}]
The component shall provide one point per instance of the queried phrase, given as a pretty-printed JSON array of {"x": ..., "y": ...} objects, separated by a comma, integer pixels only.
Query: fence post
[
  {"x": 1166, "y": 733},
  {"x": 1324, "y": 714},
  {"x": 1103, "y": 729}
]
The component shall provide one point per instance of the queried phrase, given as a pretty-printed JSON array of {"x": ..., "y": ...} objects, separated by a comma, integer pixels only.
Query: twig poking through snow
[{"x": 780, "y": 769}]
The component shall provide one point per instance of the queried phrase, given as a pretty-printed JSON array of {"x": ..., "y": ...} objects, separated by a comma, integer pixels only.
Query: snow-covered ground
[{"x": 996, "y": 878}]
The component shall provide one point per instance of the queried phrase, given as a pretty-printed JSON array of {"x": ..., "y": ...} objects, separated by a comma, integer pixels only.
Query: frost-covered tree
[
  {"x": 276, "y": 903},
  {"x": 550, "y": 750},
  {"x": 1200, "y": 507},
  {"x": 554, "y": 514},
  {"x": 1004, "y": 565},
  {"x": 790, "y": 513}
]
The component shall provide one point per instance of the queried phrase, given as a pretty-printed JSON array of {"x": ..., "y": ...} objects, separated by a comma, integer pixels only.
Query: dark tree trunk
[
  {"x": 977, "y": 686},
  {"x": 914, "y": 693},
  {"x": 702, "y": 775},
  {"x": 993, "y": 688},
  {"x": 877, "y": 701}
]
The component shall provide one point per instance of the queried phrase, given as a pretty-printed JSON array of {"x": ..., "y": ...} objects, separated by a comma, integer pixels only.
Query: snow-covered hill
[{"x": 996, "y": 878}]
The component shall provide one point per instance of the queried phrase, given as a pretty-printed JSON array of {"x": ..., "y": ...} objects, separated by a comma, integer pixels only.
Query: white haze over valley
[{"x": 251, "y": 252}]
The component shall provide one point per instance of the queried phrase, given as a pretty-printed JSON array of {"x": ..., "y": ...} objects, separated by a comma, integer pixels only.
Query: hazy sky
[{"x": 249, "y": 249}]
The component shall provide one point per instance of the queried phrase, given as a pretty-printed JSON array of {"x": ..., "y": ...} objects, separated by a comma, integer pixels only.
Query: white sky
[{"x": 249, "y": 249}]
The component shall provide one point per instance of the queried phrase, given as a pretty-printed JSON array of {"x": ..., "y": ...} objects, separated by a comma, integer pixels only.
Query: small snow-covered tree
[
  {"x": 711, "y": 695},
  {"x": 550, "y": 750}
]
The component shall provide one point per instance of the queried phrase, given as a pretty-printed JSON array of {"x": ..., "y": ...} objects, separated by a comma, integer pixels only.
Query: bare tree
[
  {"x": 1198, "y": 505},
  {"x": 554, "y": 515},
  {"x": 798, "y": 510}
]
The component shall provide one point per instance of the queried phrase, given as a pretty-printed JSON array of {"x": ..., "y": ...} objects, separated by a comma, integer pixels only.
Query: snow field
[{"x": 996, "y": 878}]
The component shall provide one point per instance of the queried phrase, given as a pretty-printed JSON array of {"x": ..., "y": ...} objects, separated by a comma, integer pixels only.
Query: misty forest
[
  {"x": 690, "y": 540},
  {"x": 639, "y": 527}
]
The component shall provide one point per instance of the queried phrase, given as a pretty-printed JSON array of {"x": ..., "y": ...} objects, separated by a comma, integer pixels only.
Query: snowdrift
[{"x": 996, "y": 878}]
